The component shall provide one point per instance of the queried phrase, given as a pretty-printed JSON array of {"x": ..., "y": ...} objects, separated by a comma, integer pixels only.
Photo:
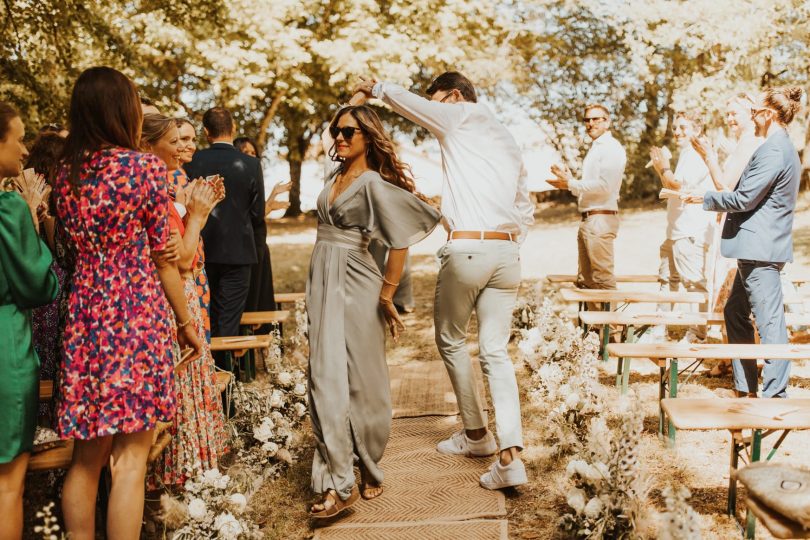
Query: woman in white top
[{"x": 743, "y": 143}]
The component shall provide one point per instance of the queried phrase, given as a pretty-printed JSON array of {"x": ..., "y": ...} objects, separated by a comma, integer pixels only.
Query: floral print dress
[
  {"x": 117, "y": 363},
  {"x": 198, "y": 432},
  {"x": 179, "y": 180}
]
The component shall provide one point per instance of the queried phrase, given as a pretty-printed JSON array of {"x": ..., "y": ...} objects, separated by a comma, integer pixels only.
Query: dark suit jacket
[
  {"x": 759, "y": 224},
  {"x": 229, "y": 233}
]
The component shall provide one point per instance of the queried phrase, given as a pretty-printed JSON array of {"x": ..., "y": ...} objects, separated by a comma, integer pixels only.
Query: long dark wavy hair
[
  {"x": 105, "y": 111},
  {"x": 380, "y": 153}
]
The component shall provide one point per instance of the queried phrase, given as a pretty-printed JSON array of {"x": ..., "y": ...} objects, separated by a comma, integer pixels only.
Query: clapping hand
[
  {"x": 660, "y": 161},
  {"x": 704, "y": 149},
  {"x": 201, "y": 200},
  {"x": 33, "y": 188},
  {"x": 563, "y": 176},
  {"x": 692, "y": 198}
]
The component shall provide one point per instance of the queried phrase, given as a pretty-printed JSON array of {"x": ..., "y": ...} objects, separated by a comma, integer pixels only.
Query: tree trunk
[
  {"x": 297, "y": 145},
  {"x": 269, "y": 114}
]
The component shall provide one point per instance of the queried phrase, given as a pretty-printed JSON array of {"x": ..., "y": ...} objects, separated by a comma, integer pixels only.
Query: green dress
[{"x": 26, "y": 281}]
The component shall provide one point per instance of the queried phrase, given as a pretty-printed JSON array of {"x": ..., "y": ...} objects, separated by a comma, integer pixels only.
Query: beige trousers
[
  {"x": 480, "y": 275},
  {"x": 683, "y": 261},
  {"x": 595, "y": 242}
]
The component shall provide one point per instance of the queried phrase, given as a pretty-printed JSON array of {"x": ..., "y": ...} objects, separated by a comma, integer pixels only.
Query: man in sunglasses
[
  {"x": 485, "y": 200},
  {"x": 597, "y": 196}
]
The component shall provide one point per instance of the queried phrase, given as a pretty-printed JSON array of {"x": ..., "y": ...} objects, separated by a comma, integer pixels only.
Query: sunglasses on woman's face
[{"x": 347, "y": 132}]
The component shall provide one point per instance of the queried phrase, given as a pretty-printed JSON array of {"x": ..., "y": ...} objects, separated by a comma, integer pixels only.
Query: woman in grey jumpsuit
[{"x": 349, "y": 305}]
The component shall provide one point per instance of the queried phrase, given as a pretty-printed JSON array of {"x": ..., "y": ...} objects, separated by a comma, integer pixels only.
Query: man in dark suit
[
  {"x": 759, "y": 233},
  {"x": 230, "y": 249}
]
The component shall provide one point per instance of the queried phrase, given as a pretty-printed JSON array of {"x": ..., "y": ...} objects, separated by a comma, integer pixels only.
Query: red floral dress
[
  {"x": 179, "y": 179},
  {"x": 199, "y": 438},
  {"x": 117, "y": 363}
]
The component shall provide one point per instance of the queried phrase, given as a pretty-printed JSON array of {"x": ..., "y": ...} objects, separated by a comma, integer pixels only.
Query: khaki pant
[
  {"x": 683, "y": 261},
  {"x": 480, "y": 275},
  {"x": 595, "y": 242}
]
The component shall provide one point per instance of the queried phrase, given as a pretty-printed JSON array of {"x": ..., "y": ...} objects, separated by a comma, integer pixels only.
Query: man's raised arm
[{"x": 438, "y": 118}]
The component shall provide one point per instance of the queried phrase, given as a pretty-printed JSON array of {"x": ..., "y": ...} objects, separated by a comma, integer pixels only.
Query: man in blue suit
[{"x": 759, "y": 233}]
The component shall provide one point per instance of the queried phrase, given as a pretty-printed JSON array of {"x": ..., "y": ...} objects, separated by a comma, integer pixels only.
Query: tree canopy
[{"x": 282, "y": 67}]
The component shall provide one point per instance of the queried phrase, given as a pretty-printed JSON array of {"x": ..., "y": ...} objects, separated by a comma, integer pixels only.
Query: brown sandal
[{"x": 338, "y": 507}]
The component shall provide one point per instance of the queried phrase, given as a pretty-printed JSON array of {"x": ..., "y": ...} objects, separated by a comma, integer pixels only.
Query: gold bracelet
[
  {"x": 390, "y": 283},
  {"x": 180, "y": 326}
]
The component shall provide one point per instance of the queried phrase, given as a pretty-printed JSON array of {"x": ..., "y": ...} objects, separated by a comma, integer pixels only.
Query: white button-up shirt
[
  {"x": 690, "y": 220},
  {"x": 484, "y": 187},
  {"x": 602, "y": 172}
]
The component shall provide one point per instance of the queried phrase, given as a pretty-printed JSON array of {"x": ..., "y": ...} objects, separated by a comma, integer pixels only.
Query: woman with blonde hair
[
  {"x": 198, "y": 429},
  {"x": 720, "y": 271},
  {"x": 349, "y": 303}
]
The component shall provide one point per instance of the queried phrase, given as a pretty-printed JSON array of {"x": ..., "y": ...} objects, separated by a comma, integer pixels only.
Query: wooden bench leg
[
  {"x": 731, "y": 507},
  {"x": 750, "y": 519},
  {"x": 662, "y": 388},
  {"x": 673, "y": 392},
  {"x": 605, "y": 341}
]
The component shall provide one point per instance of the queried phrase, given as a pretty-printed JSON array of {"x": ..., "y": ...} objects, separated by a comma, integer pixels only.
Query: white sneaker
[
  {"x": 503, "y": 476},
  {"x": 461, "y": 445}
]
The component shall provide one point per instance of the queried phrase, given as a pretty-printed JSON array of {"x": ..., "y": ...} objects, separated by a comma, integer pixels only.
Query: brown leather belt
[
  {"x": 586, "y": 215},
  {"x": 481, "y": 235}
]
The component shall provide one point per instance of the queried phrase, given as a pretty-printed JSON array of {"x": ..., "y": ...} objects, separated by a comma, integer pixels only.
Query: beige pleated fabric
[{"x": 349, "y": 393}]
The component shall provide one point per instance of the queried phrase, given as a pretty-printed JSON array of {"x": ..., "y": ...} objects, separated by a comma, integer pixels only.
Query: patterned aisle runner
[{"x": 428, "y": 496}]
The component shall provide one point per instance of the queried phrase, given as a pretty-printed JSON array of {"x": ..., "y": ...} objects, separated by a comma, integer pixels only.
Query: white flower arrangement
[
  {"x": 211, "y": 507},
  {"x": 300, "y": 339},
  {"x": 564, "y": 378}
]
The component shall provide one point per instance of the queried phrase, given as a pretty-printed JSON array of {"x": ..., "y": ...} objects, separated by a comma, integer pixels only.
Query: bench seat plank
[
  {"x": 708, "y": 351},
  {"x": 264, "y": 317},
  {"x": 613, "y": 295},
  {"x": 672, "y": 318},
  {"x": 737, "y": 413},
  {"x": 55, "y": 458},
  {"x": 625, "y": 278},
  {"x": 239, "y": 343},
  {"x": 289, "y": 298}
]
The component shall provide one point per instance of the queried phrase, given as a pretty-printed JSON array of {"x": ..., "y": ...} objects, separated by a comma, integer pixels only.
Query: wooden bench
[
  {"x": 45, "y": 390},
  {"x": 237, "y": 347},
  {"x": 289, "y": 298},
  {"x": 612, "y": 300},
  {"x": 626, "y": 278},
  {"x": 615, "y": 296},
  {"x": 633, "y": 325},
  {"x": 735, "y": 415},
  {"x": 255, "y": 319},
  {"x": 667, "y": 355},
  {"x": 643, "y": 278}
]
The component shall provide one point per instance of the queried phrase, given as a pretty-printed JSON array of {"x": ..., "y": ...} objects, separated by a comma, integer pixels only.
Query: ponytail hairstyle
[
  {"x": 785, "y": 101},
  {"x": 380, "y": 153}
]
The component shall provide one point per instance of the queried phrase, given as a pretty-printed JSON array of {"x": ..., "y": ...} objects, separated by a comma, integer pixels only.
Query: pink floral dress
[{"x": 116, "y": 374}]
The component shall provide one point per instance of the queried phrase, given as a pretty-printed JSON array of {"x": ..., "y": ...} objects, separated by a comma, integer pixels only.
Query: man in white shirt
[
  {"x": 485, "y": 200},
  {"x": 689, "y": 227},
  {"x": 597, "y": 200}
]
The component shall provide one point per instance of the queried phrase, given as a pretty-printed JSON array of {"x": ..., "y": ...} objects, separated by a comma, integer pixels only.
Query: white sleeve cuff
[{"x": 377, "y": 90}]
